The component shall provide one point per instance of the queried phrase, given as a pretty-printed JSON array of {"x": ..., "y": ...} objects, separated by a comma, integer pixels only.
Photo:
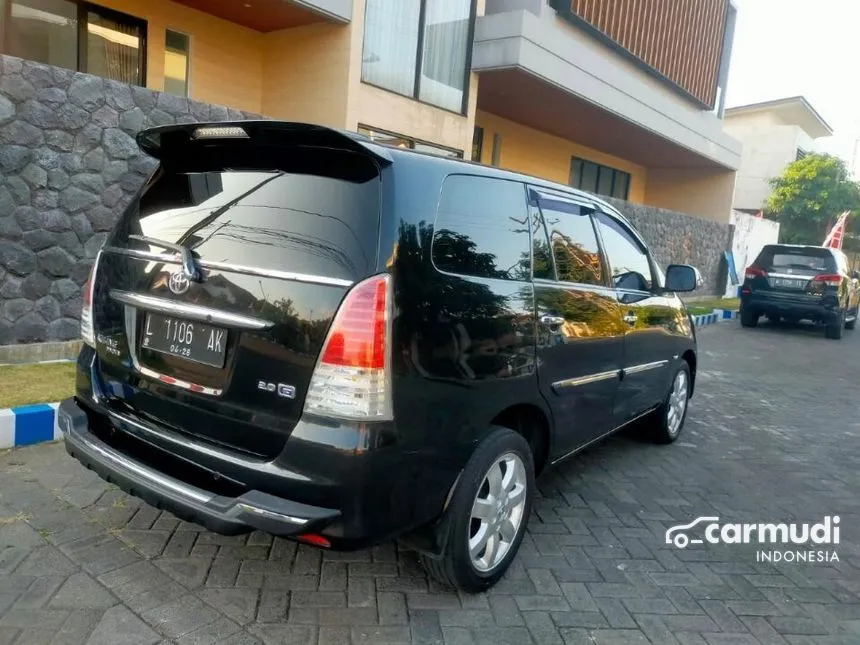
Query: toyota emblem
[{"x": 179, "y": 283}]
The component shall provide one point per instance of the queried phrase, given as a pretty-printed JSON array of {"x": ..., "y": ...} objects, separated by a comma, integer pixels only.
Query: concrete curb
[
  {"x": 28, "y": 424},
  {"x": 717, "y": 315}
]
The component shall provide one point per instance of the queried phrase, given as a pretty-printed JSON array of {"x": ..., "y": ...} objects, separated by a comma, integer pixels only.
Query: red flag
[{"x": 834, "y": 237}]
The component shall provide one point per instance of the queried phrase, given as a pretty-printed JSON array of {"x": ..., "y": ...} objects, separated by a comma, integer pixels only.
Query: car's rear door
[
  {"x": 580, "y": 331},
  {"x": 280, "y": 225}
]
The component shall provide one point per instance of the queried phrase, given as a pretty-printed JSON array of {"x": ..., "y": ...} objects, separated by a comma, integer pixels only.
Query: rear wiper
[{"x": 189, "y": 266}]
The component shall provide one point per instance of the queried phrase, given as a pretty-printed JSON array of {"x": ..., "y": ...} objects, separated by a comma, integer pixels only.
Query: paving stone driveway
[{"x": 773, "y": 435}]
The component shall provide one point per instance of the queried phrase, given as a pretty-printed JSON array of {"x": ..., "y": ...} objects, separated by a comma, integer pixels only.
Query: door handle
[
  {"x": 631, "y": 318},
  {"x": 551, "y": 321}
]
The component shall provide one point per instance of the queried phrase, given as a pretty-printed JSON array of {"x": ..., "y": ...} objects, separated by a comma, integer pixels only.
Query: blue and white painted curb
[
  {"x": 717, "y": 315},
  {"x": 28, "y": 424}
]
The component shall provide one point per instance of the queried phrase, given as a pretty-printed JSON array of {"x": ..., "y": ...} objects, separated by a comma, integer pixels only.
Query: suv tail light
[
  {"x": 352, "y": 377},
  {"x": 829, "y": 279},
  {"x": 88, "y": 332},
  {"x": 754, "y": 272}
]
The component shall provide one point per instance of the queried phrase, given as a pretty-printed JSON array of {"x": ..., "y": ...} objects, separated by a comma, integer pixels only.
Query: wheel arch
[
  {"x": 690, "y": 357},
  {"x": 533, "y": 424}
]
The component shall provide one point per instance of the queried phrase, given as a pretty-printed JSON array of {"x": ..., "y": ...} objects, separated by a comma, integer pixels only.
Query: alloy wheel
[
  {"x": 677, "y": 403},
  {"x": 497, "y": 512}
]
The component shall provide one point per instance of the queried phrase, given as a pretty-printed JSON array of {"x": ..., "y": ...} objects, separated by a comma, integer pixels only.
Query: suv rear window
[
  {"x": 808, "y": 259},
  {"x": 266, "y": 218}
]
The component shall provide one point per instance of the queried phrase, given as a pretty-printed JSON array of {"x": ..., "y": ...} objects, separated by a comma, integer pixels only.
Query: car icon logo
[
  {"x": 676, "y": 536},
  {"x": 179, "y": 283}
]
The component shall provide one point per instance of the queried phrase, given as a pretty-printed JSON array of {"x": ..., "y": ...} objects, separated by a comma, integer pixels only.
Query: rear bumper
[
  {"x": 824, "y": 310},
  {"x": 221, "y": 514}
]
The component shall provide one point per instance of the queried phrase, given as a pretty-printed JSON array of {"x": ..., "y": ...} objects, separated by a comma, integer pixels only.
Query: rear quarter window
[{"x": 481, "y": 229}]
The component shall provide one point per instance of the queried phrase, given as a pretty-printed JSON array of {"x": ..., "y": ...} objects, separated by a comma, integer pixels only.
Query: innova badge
[{"x": 179, "y": 283}]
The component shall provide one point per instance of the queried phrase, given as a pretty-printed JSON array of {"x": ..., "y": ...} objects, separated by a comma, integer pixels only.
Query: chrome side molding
[
  {"x": 644, "y": 367},
  {"x": 584, "y": 380},
  {"x": 190, "y": 311}
]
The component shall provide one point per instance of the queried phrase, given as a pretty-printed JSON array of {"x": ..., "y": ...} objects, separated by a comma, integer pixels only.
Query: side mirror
[{"x": 682, "y": 277}]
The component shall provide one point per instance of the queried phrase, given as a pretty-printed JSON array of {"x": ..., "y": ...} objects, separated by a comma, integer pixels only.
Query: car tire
[
  {"x": 850, "y": 324},
  {"x": 667, "y": 421},
  {"x": 834, "y": 331},
  {"x": 488, "y": 513},
  {"x": 748, "y": 318}
]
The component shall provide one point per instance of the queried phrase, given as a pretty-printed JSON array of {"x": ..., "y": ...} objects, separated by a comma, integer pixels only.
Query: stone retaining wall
[{"x": 69, "y": 164}]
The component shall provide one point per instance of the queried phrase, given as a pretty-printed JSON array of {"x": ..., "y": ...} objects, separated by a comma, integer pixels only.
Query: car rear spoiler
[{"x": 189, "y": 139}]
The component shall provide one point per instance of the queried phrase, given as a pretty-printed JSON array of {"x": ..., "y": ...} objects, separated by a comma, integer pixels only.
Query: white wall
[
  {"x": 750, "y": 236},
  {"x": 769, "y": 145}
]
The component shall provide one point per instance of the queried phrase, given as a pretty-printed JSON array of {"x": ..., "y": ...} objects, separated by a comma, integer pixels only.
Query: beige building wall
[
  {"x": 310, "y": 73},
  {"x": 537, "y": 153},
  {"x": 695, "y": 191},
  {"x": 306, "y": 73},
  {"x": 226, "y": 59}
]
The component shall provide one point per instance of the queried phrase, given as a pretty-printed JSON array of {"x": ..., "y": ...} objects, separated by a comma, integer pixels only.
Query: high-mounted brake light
[
  {"x": 220, "y": 132},
  {"x": 352, "y": 378},
  {"x": 830, "y": 279},
  {"x": 754, "y": 272},
  {"x": 88, "y": 333}
]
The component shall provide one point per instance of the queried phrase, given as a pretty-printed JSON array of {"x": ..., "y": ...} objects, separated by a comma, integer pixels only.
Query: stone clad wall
[
  {"x": 69, "y": 164},
  {"x": 676, "y": 238}
]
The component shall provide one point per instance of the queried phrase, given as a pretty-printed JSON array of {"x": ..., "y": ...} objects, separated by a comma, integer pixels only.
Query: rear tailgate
[
  {"x": 790, "y": 271},
  {"x": 281, "y": 223}
]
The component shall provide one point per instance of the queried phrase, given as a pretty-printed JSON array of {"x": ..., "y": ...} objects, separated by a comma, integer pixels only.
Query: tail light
[
  {"x": 352, "y": 376},
  {"x": 88, "y": 332},
  {"x": 754, "y": 272},
  {"x": 829, "y": 279}
]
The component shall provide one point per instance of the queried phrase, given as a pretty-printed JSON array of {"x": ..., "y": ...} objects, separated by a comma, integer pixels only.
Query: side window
[
  {"x": 573, "y": 241},
  {"x": 630, "y": 266},
  {"x": 541, "y": 254},
  {"x": 482, "y": 229}
]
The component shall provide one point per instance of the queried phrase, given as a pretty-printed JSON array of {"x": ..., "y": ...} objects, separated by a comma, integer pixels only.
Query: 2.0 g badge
[{"x": 283, "y": 390}]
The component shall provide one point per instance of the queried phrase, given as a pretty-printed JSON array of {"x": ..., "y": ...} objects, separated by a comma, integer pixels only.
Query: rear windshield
[
  {"x": 268, "y": 219},
  {"x": 801, "y": 259}
]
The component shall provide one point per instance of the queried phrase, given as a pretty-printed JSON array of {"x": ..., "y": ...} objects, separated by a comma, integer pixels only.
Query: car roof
[
  {"x": 473, "y": 167},
  {"x": 779, "y": 245}
]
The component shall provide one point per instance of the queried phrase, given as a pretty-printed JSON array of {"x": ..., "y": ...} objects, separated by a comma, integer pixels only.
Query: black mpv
[{"x": 296, "y": 330}]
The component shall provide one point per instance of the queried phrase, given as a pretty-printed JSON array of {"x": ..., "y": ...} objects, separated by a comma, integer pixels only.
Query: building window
[
  {"x": 601, "y": 180},
  {"x": 419, "y": 48},
  {"x": 78, "y": 36},
  {"x": 177, "y": 47},
  {"x": 400, "y": 141},
  {"x": 477, "y": 143},
  {"x": 800, "y": 154}
]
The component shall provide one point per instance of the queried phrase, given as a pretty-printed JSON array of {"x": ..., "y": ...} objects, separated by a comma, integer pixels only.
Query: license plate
[
  {"x": 789, "y": 283},
  {"x": 187, "y": 339}
]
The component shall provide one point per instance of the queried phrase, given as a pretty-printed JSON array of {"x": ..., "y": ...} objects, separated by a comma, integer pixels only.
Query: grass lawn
[
  {"x": 707, "y": 306},
  {"x": 40, "y": 383}
]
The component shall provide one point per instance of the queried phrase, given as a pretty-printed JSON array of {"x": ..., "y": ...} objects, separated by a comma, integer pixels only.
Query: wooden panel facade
[{"x": 678, "y": 40}]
